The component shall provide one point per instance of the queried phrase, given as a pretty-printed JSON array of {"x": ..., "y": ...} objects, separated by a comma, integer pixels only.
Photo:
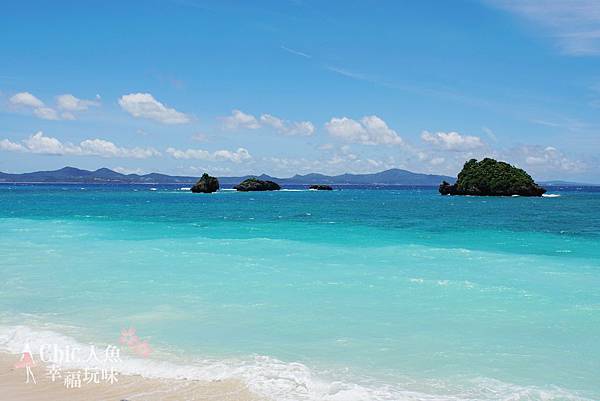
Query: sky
[{"x": 297, "y": 86}]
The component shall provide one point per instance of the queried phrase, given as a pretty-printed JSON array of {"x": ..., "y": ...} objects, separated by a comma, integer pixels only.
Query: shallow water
[{"x": 356, "y": 294}]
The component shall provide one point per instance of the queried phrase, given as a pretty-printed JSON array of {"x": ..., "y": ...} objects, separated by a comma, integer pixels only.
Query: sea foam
[{"x": 282, "y": 381}]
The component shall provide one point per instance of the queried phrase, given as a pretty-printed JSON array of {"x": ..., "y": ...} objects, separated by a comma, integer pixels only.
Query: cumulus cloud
[
  {"x": 26, "y": 99},
  {"x": 370, "y": 130},
  {"x": 238, "y": 119},
  {"x": 10, "y": 146},
  {"x": 67, "y": 104},
  {"x": 104, "y": 148},
  {"x": 144, "y": 105},
  {"x": 452, "y": 141},
  {"x": 38, "y": 143},
  {"x": 71, "y": 103},
  {"x": 127, "y": 171},
  {"x": 303, "y": 128},
  {"x": 239, "y": 156},
  {"x": 47, "y": 113},
  {"x": 548, "y": 158}
]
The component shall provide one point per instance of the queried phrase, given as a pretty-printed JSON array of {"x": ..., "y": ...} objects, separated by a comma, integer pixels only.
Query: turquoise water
[{"x": 357, "y": 294}]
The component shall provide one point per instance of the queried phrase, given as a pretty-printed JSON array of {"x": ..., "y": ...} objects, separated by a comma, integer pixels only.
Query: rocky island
[
  {"x": 320, "y": 187},
  {"x": 254, "y": 184},
  {"x": 206, "y": 184},
  {"x": 492, "y": 178}
]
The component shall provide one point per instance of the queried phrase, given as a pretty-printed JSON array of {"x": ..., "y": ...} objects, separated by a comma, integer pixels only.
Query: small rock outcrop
[
  {"x": 492, "y": 178},
  {"x": 206, "y": 184},
  {"x": 320, "y": 187},
  {"x": 254, "y": 184}
]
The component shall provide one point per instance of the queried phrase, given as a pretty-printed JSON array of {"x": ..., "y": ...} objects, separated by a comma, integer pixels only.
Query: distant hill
[
  {"x": 388, "y": 177},
  {"x": 107, "y": 176},
  {"x": 100, "y": 176},
  {"x": 558, "y": 183}
]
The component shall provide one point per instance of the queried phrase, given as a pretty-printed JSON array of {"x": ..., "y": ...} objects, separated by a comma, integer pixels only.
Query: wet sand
[{"x": 13, "y": 387}]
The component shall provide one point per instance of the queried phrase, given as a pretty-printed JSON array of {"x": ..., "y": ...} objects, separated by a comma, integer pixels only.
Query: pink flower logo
[
  {"x": 134, "y": 343},
  {"x": 143, "y": 349},
  {"x": 25, "y": 362},
  {"x": 128, "y": 337}
]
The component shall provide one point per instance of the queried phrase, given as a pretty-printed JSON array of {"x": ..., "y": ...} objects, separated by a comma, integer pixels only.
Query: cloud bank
[
  {"x": 66, "y": 105},
  {"x": 240, "y": 120},
  {"x": 38, "y": 143},
  {"x": 239, "y": 156}
]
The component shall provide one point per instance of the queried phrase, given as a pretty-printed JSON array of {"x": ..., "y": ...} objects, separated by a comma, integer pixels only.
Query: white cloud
[
  {"x": 436, "y": 161},
  {"x": 38, "y": 143},
  {"x": 292, "y": 165},
  {"x": 338, "y": 163},
  {"x": 104, "y": 148},
  {"x": 29, "y": 101},
  {"x": 67, "y": 103},
  {"x": 223, "y": 170},
  {"x": 452, "y": 141},
  {"x": 126, "y": 170},
  {"x": 574, "y": 24},
  {"x": 46, "y": 113},
  {"x": 370, "y": 130},
  {"x": 303, "y": 128},
  {"x": 548, "y": 158},
  {"x": 239, "y": 119},
  {"x": 26, "y": 99},
  {"x": 539, "y": 161},
  {"x": 71, "y": 103},
  {"x": 10, "y": 146},
  {"x": 239, "y": 156},
  {"x": 272, "y": 121},
  {"x": 144, "y": 105}
]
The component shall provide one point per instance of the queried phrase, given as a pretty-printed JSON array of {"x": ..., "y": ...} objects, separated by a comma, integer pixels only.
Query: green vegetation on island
[{"x": 492, "y": 178}]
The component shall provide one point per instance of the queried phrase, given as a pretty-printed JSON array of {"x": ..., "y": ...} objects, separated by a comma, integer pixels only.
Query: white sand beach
[{"x": 132, "y": 388}]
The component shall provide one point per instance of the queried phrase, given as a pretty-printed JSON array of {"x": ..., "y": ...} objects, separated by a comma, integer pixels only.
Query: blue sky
[{"x": 284, "y": 87}]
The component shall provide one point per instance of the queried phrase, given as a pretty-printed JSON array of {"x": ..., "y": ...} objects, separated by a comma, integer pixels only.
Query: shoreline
[{"x": 126, "y": 387}]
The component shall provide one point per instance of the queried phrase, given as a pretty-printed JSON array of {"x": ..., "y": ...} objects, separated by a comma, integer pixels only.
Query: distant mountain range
[
  {"x": 559, "y": 183},
  {"x": 107, "y": 176}
]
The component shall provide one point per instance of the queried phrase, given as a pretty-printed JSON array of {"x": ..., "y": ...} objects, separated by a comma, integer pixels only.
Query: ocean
[{"x": 353, "y": 294}]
